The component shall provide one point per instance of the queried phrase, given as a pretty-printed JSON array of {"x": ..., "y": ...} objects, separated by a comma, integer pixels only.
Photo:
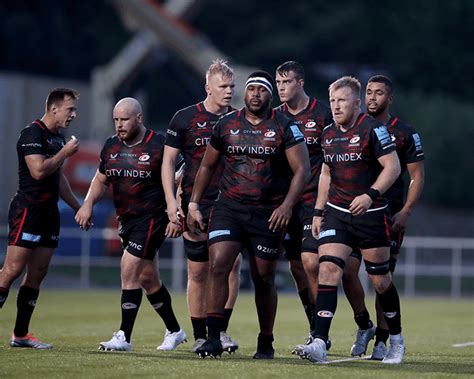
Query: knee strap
[
  {"x": 196, "y": 250},
  {"x": 339, "y": 262},
  {"x": 380, "y": 268},
  {"x": 392, "y": 263}
]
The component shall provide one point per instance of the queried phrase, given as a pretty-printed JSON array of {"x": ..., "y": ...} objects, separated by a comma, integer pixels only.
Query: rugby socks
[
  {"x": 3, "y": 296},
  {"x": 326, "y": 304},
  {"x": 363, "y": 320},
  {"x": 199, "y": 327},
  {"x": 227, "y": 314},
  {"x": 131, "y": 300},
  {"x": 264, "y": 342},
  {"x": 25, "y": 303},
  {"x": 215, "y": 324},
  {"x": 305, "y": 300},
  {"x": 381, "y": 335},
  {"x": 390, "y": 304},
  {"x": 161, "y": 302}
]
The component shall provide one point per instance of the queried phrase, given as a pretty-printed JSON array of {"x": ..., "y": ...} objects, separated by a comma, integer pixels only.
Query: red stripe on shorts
[
  {"x": 21, "y": 226},
  {"x": 150, "y": 229},
  {"x": 387, "y": 228}
]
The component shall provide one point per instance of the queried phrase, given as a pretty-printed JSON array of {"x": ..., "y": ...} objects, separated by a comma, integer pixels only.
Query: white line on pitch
[
  {"x": 349, "y": 359},
  {"x": 465, "y": 344}
]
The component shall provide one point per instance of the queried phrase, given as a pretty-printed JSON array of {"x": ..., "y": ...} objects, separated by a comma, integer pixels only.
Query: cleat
[
  {"x": 118, "y": 342},
  {"x": 314, "y": 352},
  {"x": 379, "y": 352},
  {"x": 228, "y": 344},
  {"x": 396, "y": 352},
  {"x": 311, "y": 338},
  {"x": 267, "y": 353},
  {"x": 363, "y": 336},
  {"x": 29, "y": 341},
  {"x": 172, "y": 340},
  {"x": 211, "y": 348},
  {"x": 197, "y": 344}
]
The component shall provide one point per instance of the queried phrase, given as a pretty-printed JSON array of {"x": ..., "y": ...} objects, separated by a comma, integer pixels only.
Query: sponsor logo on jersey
[
  {"x": 128, "y": 173},
  {"x": 307, "y": 227},
  {"x": 392, "y": 137},
  {"x": 327, "y": 233},
  {"x": 382, "y": 135},
  {"x": 172, "y": 132},
  {"x": 234, "y": 132},
  {"x": 217, "y": 233},
  {"x": 325, "y": 314},
  {"x": 246, "y": 149},
  {"x": 201, "y": 125},
  {"x": 311, "y": 140},
  {"x": 344, "y": 157},
  {"x": 417, "y": 140},
  {"x": 202, "y": 141},
  {"x": 113, "y": 156},
  {"x": 31, "y": 144},
  {"x": 270, "y": 133},
  {"x": 54, "y": 238},
  {"x": 266, "y": 249},
  {"x": 328, "y": 141},
  {"x": 143, "y": 157},
  {"x": 129, "y": 306},
  {"x": 310, "y": 124},
  {"x": 30, "y": 237},
  {"x": 354, "y": 139},
  {"x": 297, "y": 135},
  {"x": 250, "y": 131}
]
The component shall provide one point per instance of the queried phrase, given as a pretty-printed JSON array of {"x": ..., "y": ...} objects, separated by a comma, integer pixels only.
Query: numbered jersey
[
  {"x": 256, "y": 170},
  {"x": 135, "y": 175},
  {"x": 352, "y": 159},
  {"x": 37, "y": 139}
]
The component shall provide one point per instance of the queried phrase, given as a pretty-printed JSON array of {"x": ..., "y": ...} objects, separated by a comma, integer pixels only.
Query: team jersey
[
  {"x": 135, "y": 174},
  {"x": 352, "y": 159},
  {"x": 311, "y": 122},
  {"x": 36, "y": 138},
  {"x": 256, "y": 170},
  {"x": 409, "y": 150},
  {"x": 190, "y": 131}
]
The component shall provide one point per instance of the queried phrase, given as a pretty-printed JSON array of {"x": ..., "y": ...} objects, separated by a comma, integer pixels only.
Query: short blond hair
[
  {"x": 219, "y": 66},
  {"x": 346, "y": 81}
]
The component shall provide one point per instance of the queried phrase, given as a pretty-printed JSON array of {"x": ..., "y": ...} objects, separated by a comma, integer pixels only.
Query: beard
[
  {"x": 260, "y": 109},
  {"x": 377, "y": 111}
]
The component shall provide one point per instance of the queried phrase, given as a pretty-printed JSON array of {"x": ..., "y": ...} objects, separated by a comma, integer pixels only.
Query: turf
[{"x": 76, "y": 321}]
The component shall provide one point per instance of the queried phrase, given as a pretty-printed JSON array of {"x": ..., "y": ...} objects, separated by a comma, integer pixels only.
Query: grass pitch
[{"x": 76, "y": 321}]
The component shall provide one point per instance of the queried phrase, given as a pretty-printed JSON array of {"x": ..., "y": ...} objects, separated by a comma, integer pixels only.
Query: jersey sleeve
[
  {"x": 102, "y": 161},
  {"x": 216, "y": 140},
  {"x": 293, "y": 135},
  {"x": 175, "y": 134},
  {"x": 380, "y": 141},
  {"x": 414, "y": 148},
  {"x": 31, "y": 142}
]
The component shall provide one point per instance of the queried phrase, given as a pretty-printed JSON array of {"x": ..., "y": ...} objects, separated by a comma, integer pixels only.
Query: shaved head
[{"x": 130, "y": 104}]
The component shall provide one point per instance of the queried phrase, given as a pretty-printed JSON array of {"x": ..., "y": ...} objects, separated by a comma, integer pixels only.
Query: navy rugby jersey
[
  {"x": 190, "y": 131},
  {"x": 352, "y": 159},
  {"x": 311, "y": 122},
  {"x": 135, "y": 174},
  {"x": 409, "y": 150},
  {"x": 256, "y": 170},
  {"x": 36, "y": 138}
]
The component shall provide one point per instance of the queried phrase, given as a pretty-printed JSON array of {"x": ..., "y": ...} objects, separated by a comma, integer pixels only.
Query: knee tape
[
  {"x": 336, "y": 260},
  {"x": 380, "y": 268},
  {"x": 392, "y": 263},
  {"x": 196, "y": 251}
]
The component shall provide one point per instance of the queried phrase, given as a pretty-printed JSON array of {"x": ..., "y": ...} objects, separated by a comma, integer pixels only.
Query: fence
[{"x": 427, "y": 264}]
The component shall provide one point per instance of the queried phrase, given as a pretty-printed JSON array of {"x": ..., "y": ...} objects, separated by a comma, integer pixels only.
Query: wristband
[
  {"x": 373, "y": 193},
  {"x": 317, "y": 212},
  {"x": 193, "y": 206}
]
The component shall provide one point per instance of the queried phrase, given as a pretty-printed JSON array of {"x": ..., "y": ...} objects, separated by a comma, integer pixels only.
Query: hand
[
  {"x": 280, "y": 218},
  {"x": 172, "y": 210},
  {"x": 173, "y": 230},
  {"x": 72, "y": 146},
  {"x": 360, "y": 204},
  {"x": 195, "y": 221},
  {"x": 84, "y": 217},
  {"x": 316, "y": 226},
  {"x": 400, "y": 221}
]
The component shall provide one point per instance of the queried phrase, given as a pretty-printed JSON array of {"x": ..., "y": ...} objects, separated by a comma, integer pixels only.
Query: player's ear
[{"x": 208, "y": 89}]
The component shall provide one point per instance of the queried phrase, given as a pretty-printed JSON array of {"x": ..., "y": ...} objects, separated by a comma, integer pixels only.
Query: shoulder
[{"x": 402, "y": 126}]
